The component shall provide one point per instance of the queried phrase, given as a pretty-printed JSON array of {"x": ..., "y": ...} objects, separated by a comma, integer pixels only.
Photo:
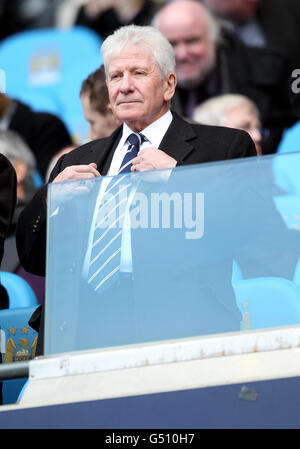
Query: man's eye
[
  {"x": 115, "y": 77},
  {"x": 193, "y": 41}
]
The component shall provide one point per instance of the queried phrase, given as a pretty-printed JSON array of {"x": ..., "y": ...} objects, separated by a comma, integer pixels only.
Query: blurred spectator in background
[
  {"x": 21, "y": 15},
  {"x": 105, "y": 16},
  {"x": 55, "y": 159},
  {"x": 263, "y": 22},
  {"x": 44, "y": 133},
  {"x": 211, "y": 61},
  {"x": 95, "y": 103},
  {"x": 67, "y": 11},
  {"x": 8, "y": 25},
  {"x": 233, "y": 111},
  {"x": 18, "y": 153}
]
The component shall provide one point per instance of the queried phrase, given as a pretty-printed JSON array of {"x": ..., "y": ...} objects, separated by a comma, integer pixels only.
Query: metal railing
[{"x": 14, "y": 370}]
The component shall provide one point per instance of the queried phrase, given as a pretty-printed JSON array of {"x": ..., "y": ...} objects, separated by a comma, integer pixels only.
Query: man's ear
[
  {"x": 21, "y": 170},
  {"x": 171, "y": 81}
]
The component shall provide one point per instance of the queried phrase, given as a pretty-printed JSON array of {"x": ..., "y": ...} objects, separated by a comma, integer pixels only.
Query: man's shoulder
[
  {"x": 215, "y": 129},
  {"x": 91, "y": 146},
  {"x": 212, "y": 131},
  {"x": 221, "y": 137},
  {"x": 213, "y": 142}
]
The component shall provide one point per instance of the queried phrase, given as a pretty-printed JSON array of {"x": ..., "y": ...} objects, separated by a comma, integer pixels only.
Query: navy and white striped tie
[
  {"x": 135, "y": 141},
  {"x": 104, "y": 263}
]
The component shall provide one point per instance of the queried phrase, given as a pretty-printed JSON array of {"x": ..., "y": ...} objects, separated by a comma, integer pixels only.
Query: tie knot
[{"x": 136, "y": 140}]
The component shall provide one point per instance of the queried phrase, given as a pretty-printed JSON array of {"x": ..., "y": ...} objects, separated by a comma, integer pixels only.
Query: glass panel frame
[{"x": 205, "y": 249}]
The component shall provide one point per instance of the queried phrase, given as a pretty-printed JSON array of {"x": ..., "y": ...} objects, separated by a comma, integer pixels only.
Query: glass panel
[{"x": 169, "y": 254}]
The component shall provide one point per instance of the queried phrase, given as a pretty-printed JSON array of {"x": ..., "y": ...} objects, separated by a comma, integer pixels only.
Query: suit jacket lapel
[
  {"x": 177, "y": 142},
  {"x": 103, "y": 153}
]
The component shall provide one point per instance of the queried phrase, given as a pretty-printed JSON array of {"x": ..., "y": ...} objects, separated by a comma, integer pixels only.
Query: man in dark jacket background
[{"x": 211, "y": 60}]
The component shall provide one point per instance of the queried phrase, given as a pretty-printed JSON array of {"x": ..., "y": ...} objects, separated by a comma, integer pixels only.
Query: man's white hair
[
  {"x": 15, "y": 148},
  {"x": 147, "y": 37}
]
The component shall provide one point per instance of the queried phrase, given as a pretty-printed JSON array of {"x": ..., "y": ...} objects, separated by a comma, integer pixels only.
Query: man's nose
[
  {"x": 181, "y": 52},
  {"x": 126, "y": 84}
]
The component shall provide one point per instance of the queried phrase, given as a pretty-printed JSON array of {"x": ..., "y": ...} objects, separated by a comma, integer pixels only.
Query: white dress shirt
[{"x": 154, "y": 134}]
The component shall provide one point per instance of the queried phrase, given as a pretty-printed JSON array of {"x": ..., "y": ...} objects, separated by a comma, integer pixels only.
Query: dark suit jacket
[
  {"x": 280, "y": 23},
  {"x": 7, "y": 198},
  {"x": 108, "y": 21},
  {"x": 187, "y": 143},
  {"x": 261, "y": 74}
]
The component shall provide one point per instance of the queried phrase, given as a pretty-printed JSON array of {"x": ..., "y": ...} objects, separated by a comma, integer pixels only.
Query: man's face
[
  {"x": 195, "y": 53},
  {"x": 101, "y": 125},
  {"x": 138, "y": 95},
  {"x": 237, "y": 10}
]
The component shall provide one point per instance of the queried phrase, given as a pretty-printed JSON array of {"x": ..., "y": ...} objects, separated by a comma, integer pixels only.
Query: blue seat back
[
  {"x": 289, "y": 208},
  {"x": 267, "y": 302},
  {"x": 286, "y": 172},
  {"x": 20, "y": 293},
  {"x": 49, "y": 68},
  {"x": 18, "y": 343}
]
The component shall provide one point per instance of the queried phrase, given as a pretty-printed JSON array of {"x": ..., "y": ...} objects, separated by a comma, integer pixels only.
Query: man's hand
[
  {"x": 152, "y": 158},
  {"x": 65, "y": 192},
  {"x": 78, "y": 172}
]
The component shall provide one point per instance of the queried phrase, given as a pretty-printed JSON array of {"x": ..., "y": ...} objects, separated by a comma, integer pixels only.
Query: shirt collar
[{"x": 153, "y": 132}]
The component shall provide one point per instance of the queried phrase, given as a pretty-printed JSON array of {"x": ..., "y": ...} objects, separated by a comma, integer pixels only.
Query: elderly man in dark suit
[
  {"x": 140, "y": 95},
  {"x": 139, "y": 64}
]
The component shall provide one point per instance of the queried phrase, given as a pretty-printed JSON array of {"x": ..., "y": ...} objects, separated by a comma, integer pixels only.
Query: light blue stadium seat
[
  {"x": 18, "y": 343},
  {"x": 296, "y": 278},
  {"x": 290, "y": 140},
  {"x": 49, "y": 68},
  {"x": 289, "y": 208},
  {"x": 40, "y": 99},
  {"x": 286, "y": 171},
  {"x": 19, "y": 291},
  {"x": 237, "y": 274},
  {"x": 267, "y": 302}
]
